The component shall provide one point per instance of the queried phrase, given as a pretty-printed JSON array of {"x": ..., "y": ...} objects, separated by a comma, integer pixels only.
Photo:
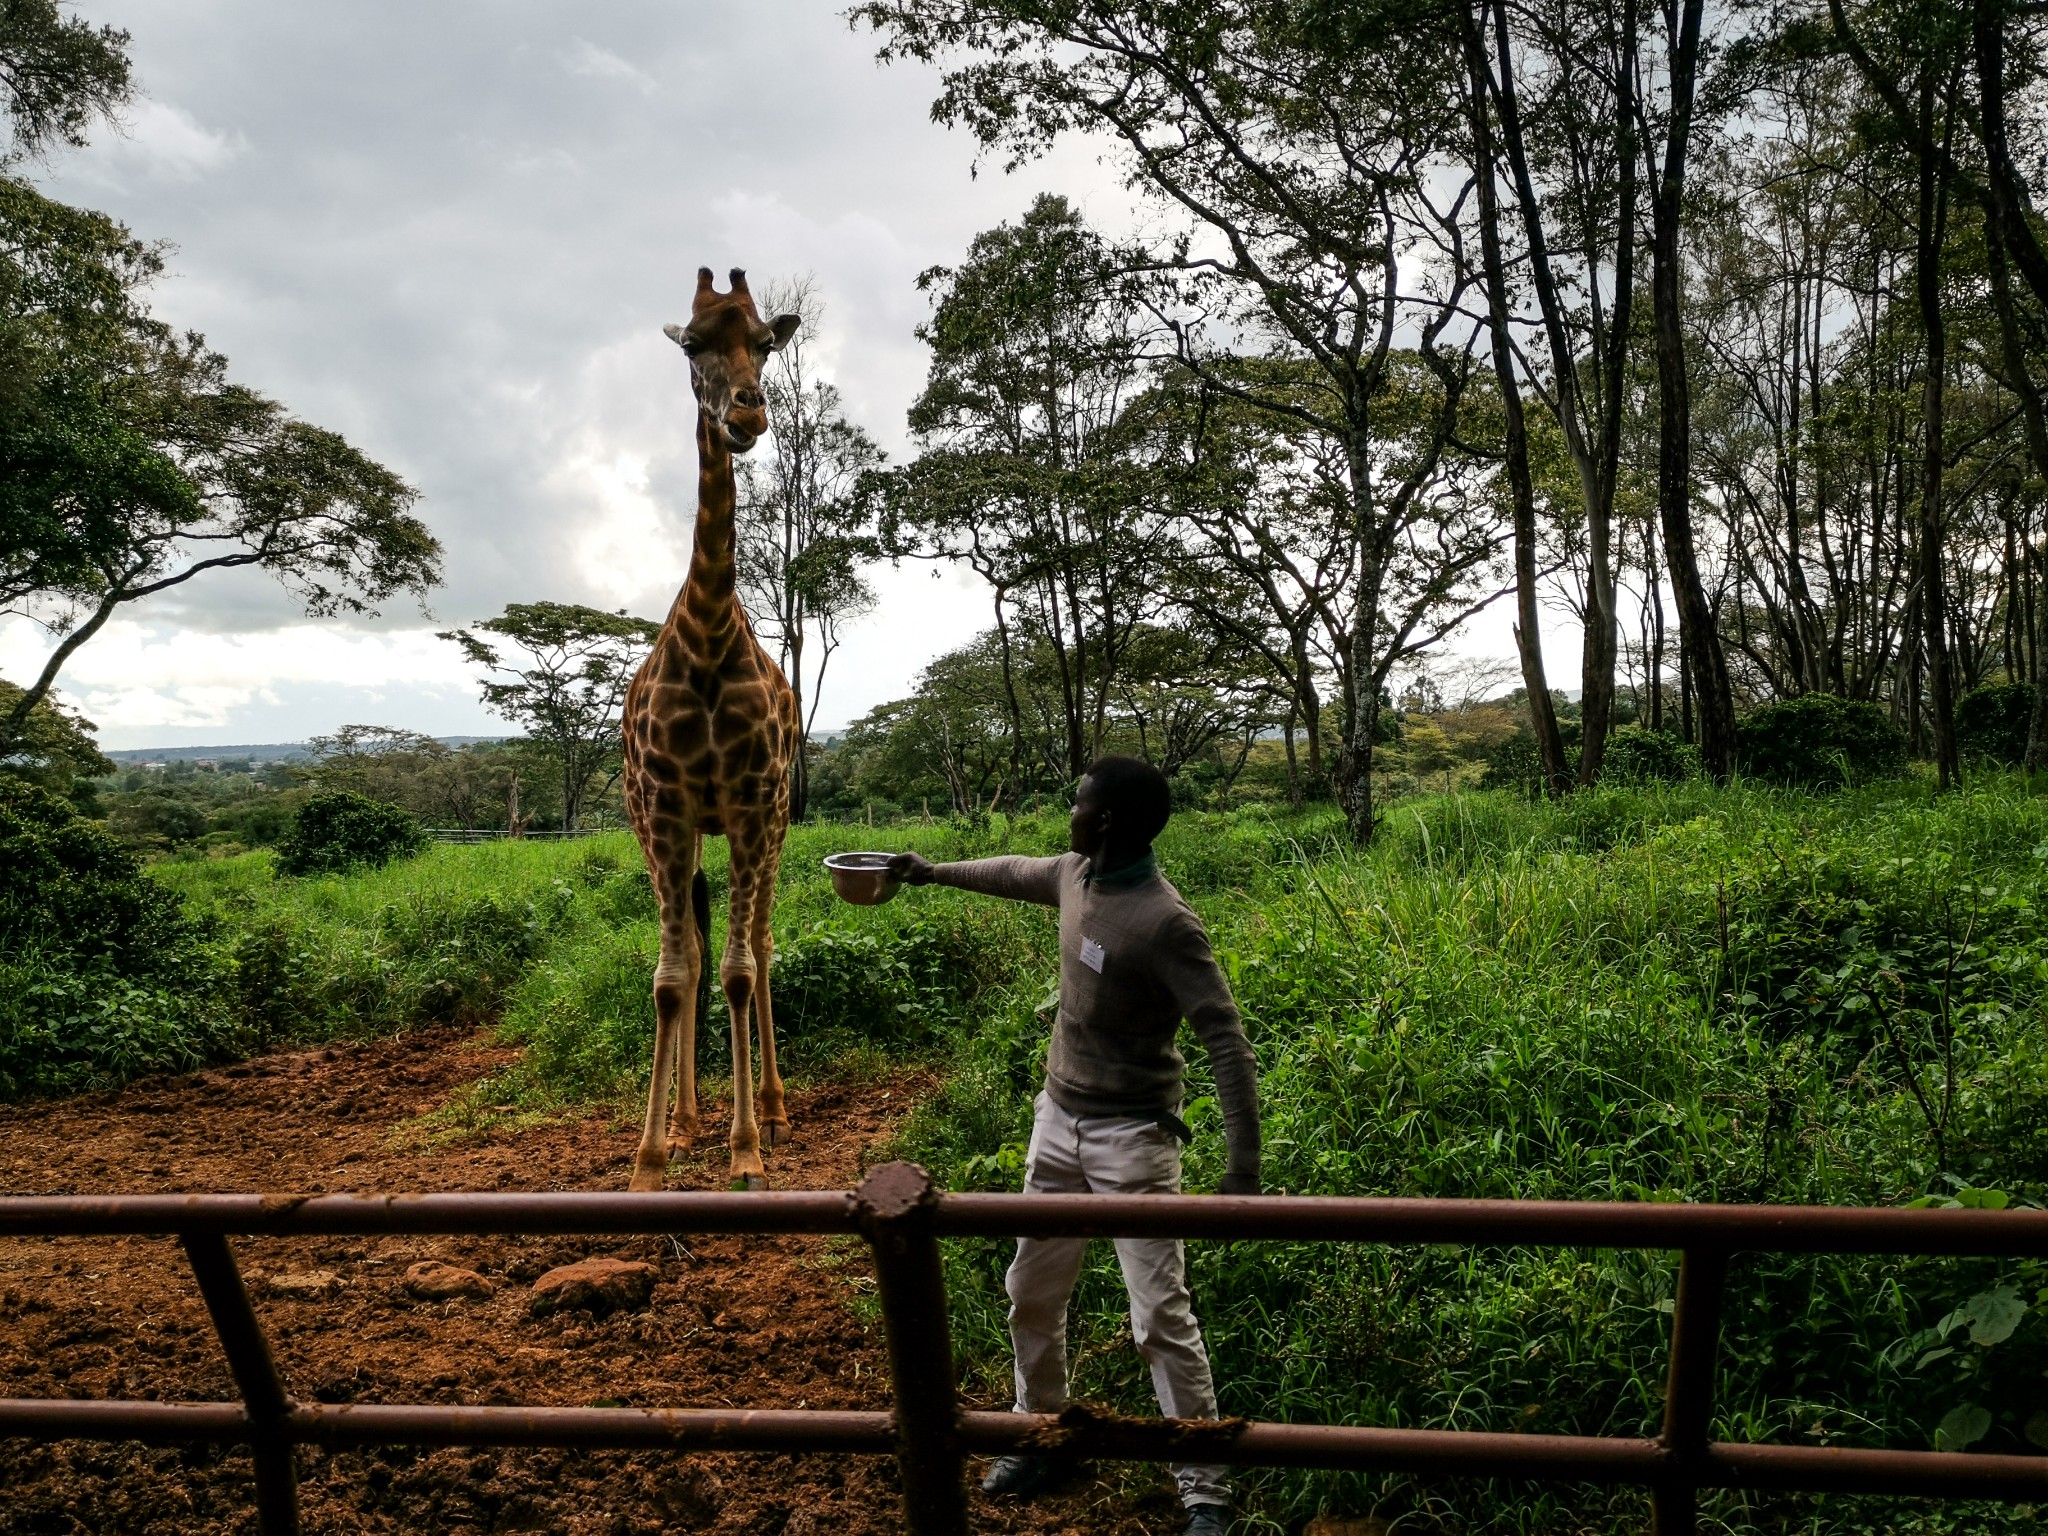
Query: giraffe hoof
[
  {"x": 775, "y": 1132},
  {"x": 751, "y": 1182},
  {"x": 647, "y": 1181}
]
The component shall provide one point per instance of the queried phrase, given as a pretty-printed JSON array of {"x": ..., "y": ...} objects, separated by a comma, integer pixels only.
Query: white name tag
[{"x": 1091, "y": 955}]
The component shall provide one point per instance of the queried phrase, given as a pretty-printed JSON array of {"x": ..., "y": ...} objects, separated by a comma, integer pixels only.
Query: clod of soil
[
  {"x": 306, "y": 1282},
  {"x": 431, "y": 1280},
  {"x": 598, "y": 1286},
  {"x": 733, "y": 1322}
]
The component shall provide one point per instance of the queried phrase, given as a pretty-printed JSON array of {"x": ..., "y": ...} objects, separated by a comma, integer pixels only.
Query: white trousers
[{"x": 1105, "y": 1155}]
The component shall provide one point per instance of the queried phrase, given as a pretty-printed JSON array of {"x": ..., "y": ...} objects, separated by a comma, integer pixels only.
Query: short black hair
[{"x": 1135, "y": 793}]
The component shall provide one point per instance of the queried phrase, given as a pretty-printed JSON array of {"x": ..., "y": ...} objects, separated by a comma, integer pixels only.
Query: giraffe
[{"x": 710, "y": 723}]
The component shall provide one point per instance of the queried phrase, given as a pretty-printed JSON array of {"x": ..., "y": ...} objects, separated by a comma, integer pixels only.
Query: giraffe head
[{"x": 727, "y": 343}]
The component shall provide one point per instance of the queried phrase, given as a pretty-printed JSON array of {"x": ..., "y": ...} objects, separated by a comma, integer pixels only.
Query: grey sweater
[{"x": 1134, "y": 961}]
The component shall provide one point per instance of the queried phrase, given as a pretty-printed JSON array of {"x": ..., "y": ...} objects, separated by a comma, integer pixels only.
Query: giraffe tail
[{"x": 700, "y": 908}]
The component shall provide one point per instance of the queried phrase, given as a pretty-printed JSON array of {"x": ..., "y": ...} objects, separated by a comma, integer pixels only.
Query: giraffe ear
[{"x": 784, "y": 327}]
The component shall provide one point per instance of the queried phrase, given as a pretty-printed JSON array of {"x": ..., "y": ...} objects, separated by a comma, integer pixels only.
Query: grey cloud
[{"x": 453, "y": 232}]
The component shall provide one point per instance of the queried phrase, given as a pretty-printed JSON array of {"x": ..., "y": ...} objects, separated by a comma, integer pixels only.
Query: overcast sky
[{"x": 453, "y": 232}]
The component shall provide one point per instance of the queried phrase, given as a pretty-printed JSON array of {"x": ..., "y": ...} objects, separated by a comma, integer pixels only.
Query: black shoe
[
  {"x": 1208, "y": 1520},
  {"x": 1020, "y": 1477}
]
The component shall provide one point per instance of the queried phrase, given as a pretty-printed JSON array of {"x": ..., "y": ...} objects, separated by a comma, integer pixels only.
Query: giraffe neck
[{"x": 707, "y": 602}]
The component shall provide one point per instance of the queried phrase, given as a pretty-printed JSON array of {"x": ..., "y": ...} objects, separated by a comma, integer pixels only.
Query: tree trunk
[
  {"x": 572, "y": 790},
  {"x": 1656, "y": 626},
  {"x": 1932, "y": 234},
  {"x": 1354, "y": 762},
  {"x": 1521, "y": 485},
  {"x": 1700, "y": 645},
  {"x": 1293, "y": 767},
  {"x": 1597, "y": 462},
  {"x": 16, "y": 720},
  {"x": 2033, "y": 616}
]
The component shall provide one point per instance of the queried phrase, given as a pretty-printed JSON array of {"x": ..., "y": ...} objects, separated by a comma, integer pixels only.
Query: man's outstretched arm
[{"x": 1017, "y": 878}]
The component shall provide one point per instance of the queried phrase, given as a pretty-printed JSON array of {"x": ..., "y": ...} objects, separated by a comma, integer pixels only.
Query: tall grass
[
  {"x": 1637, "y": 995},
  {"x": 556, "y": 942},
  {"x": 1645, "y": 994}
]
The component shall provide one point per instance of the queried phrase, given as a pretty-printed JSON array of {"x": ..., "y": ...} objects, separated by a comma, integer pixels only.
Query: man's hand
[
  {"x": 912, "y": 868},
  {"x": 1239, "y": 1184}
]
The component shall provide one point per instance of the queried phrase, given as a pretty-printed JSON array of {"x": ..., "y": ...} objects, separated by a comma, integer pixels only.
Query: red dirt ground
[{"x": 735, "y": 1321}]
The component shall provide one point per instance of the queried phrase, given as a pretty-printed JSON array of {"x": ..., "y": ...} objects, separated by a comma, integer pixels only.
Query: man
[{"x": 1134, "y": 961}]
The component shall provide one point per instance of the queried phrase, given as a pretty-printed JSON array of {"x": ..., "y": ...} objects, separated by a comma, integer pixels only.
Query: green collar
[{"x": 1123, "y": 879}]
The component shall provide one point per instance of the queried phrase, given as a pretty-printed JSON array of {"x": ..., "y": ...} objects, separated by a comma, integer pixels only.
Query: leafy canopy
[{"x": 58, "y": 74}]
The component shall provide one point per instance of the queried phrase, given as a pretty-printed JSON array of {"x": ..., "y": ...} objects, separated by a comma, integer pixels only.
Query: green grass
[
  {"x": 557, "y": 943},
  {"x": 1655, "y": 994}
]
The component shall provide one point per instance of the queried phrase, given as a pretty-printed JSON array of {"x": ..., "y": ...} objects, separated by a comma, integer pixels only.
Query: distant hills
[{"x": 262, "y": 752}]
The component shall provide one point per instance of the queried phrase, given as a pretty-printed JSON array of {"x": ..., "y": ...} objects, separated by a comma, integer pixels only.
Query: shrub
[
  {"x": 1820, "y": 741},
  {"x": 339, "y": 831},
  {"x": 1636, "y": 755},
  {"x": 1992, "y": 721},
  {"x": 1515, "y": 764},
  {"x": 103, "y": 975},
  {"x": 72, "y": 892}
]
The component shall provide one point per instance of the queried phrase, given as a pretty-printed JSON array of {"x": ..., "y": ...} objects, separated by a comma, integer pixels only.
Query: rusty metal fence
[{"x": 903, "y": 1218}]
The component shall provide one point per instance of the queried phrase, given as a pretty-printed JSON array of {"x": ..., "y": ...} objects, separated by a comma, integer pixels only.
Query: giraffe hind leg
[{"x": 683, "y": 1126}]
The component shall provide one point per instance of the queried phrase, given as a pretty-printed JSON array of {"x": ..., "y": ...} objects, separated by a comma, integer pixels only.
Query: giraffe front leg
[
  {"x": 774, "y": 1115},
  {"x": 736, "y": 971},
  {"x": 650, "y": 1163},
  {"x": 684, "y": 1126},
  {"x": 745, "y": 1140},
  {"x": 675, "y": 1033}
]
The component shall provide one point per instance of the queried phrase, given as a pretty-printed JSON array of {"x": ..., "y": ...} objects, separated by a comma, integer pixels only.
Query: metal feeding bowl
[{"x": 863, "y": 878}]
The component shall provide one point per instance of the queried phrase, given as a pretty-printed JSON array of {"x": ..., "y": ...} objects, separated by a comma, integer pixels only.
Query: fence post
[
  {"x": 255, "y": 1373},
  {"x": 896, "y": 1202},
  {"x": 1689, "y": 1390}
]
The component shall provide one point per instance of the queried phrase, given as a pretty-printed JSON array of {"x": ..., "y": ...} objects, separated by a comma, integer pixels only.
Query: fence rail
[{"x": 903, "y": 1217}]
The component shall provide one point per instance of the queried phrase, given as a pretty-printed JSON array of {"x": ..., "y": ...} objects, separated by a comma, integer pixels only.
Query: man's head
[
  {"x": 727, "y": 343},
  {"x": 1123, "y": 803}
]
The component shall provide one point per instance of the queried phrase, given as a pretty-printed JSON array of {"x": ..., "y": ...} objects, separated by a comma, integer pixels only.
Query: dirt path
[{"x": 761, "y": 1322}]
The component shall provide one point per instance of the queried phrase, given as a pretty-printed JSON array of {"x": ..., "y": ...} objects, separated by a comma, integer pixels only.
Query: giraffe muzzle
[{"x": 743, "y": 427}]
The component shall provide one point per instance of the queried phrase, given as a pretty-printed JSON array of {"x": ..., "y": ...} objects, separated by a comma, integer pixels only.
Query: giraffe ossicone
[{"x": 710, "y": 727}]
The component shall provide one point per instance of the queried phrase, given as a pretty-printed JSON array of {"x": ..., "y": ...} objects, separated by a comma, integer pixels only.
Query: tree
[
  {"x": 1264, "y": 544},
  {"x": 1303, "y": 151},
  {"x": 1667, "y": 144},
  {"x": 1036, "y": 353},
  {"x": 1581, "y": 122},
  {"x": 130, "y": 464},
  {"x": 1521, "y": 481},
  {"x": 568, "y": 688},
  {"x": 803, "y": 535},
  {"x": 1180, "y": 692},
  {"x": 950, "y": 738}
]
